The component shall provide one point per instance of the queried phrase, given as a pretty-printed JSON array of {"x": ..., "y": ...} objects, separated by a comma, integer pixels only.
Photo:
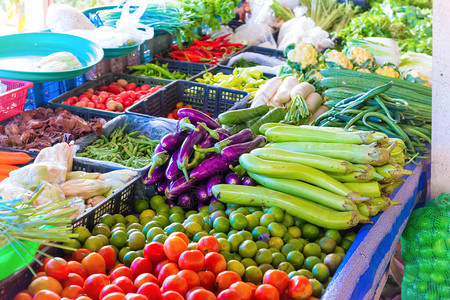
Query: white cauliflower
[
  {"x": 415, "y": 76},
  {"x": 304, "y": 54},
  {"x": 388, "y": 71},
  {"x": 337, "y": 58},
  {"x": 363, "y": 70},
  {"x": 361, "y": 57}
]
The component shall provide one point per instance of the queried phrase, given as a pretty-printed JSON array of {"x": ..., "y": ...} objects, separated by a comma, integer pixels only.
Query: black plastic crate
[
  {"x": 95, "y": 84},
  {"x": 158, "y": 45},
  {"x": 206, "y": 98}
]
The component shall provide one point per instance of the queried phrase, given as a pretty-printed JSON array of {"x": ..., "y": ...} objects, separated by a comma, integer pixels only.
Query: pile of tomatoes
[
  {"x": 178, "y": 106},
  {"x": 117, "y": 96},
  {"x": 174, "y": 270}
]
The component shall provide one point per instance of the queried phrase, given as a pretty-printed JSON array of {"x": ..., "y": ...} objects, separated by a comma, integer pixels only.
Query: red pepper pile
[{"x": 206, "y": 50}]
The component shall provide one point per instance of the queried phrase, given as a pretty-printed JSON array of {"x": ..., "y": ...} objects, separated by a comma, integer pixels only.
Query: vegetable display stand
[
  {"x": 260, "y": 50},
  {"x": 206, "y": 98},
  {"x": 95, "y": 84},
  {"x": 13, "y": 99},
  {"x": 363, "y": 272}
]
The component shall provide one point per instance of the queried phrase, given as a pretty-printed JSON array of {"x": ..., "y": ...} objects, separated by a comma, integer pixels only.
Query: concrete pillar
[{"x": 440, "y": 149}]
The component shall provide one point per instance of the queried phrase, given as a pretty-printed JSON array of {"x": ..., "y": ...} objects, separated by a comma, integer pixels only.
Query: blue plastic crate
[{"x": 158, "y": 45}]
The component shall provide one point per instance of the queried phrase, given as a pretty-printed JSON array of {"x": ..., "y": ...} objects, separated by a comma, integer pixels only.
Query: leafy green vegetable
[{"x": 242, "y": 63}]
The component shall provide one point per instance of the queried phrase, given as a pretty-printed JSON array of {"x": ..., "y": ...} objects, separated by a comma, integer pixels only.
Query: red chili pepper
[
  {"x": 178, "y": 57},
  {"x": 175, "y": 47},
  {"x": 206, "y": 37},
  {"x": 221, "y": 38},
  {"x": 203, "y": 43},
  {"x": 158, "y": 56}
]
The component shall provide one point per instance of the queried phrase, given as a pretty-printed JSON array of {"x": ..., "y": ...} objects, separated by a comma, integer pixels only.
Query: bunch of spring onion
[{"x": 45, "y": 224}]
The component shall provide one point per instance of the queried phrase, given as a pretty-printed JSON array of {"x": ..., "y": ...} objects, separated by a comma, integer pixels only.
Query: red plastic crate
[{"x": 13, "y": 101}]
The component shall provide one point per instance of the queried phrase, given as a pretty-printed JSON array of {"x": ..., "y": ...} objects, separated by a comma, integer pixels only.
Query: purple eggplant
[
  {"x": 210, "y": 141},
  {"x": 160, "y": 188},
  {"x": 248, "y": 181},
  {"x": 156, "y": 176},
  {"x": 234, "y": 151},
  {"x": 212, "y": 182},
  {"x": 194, "y": 138},
  {"x": 169, "y": 196},
  {"x": 158, "y": 149},
  {"x": 170, "y": 202},
  {"x": 172, "y": 171},
  {"x": 214, "y": 165},
  {"x": 240, "y": 137},
  {"x": 185, "y": 201},
  {"x": 185, "y": 125},
  {"x": 201, "y": 194},
  {"x": 232, "y": 178},
  {"x": 213, "y": 199},
  {"x": 179, "y": 186},
  {"x": 197, "y": 116},
  {"x": 159, "y": 159},
  {"x": 172, "y": 141}
]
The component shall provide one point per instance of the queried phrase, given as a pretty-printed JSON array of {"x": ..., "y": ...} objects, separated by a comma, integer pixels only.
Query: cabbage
[
  {"x": 419, "y": 62},
  {"x": 59, "y": 61},
  {"x": 384, "y": 50}
]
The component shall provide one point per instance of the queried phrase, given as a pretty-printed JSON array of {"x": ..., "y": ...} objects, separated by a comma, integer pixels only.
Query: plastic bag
[
  {"x": 81, "y": 175},
  {"x": 117, "y": 179},
  {"x": 53, "y": 192},
  {"x": 63, "y": 17},
  {"x": 84, "y": 188},
  {"x": 261, "y": 59},
  {"x": 60, "y": 154},
  {"x": 31, "y": 175}
]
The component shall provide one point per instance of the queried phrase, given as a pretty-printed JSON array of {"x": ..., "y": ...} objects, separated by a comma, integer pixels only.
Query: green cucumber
[
  {"x": 237, "y": 128},
  {"x": 242, "y": 115},
  {"x": 273, "y": 116}
]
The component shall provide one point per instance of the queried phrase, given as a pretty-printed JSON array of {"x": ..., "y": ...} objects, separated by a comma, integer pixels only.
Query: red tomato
[
  {"x": 277, "y": 278},
  {"x": 90, "y": 90},
  {"x": 141, "y": 265},
  {"x": 215, "y": 263},
  {"x": 132, "y": 95},
  {"x": 225, "y": 279},
  {"x": 154, "y": 252},
  {"x": 175, "y": 113},
  {"x": 128, "y": 102},
  {"x": 72, "y": 291},
  {"x": 180, "y": 235},
  {"x": 133, "y": 296},
  {"x": 266, "y": 292},
  {"x": 244, "y": 290},
  {"x": 151, "y": 290},
  {"x": 228, "y": 294},
  {"x": 72, "y": 279},
  {"x": 159, "y": 266},
  {"x": 78, "y": 268},
  {"x": 116, "y": 266},
  {"x": 109, "y": 255},
  {"x": 23, "y": 296},
  {"x": 192, "y": 260},
  {"x": 102, "y": 88},
  {"x": 166, "y": 271},
  {"x": 172, "y": 295},
  {"x": 170, "y": 116},
  {"x": 145, "y": 87},
  {"x": 144, "y": 278},
  {"x": 46, "y": 295},
  {"x": 130, "y": 86},
  {"x": 201, "y": 294},
  {"x": 125, "y": 284},
  {"x": 71, "y": 100},
  {"x": 208, "y": 244},
  {"x": 109, "y": 289},
  {"x": 115, "y": 296},
  {"x": 79, "y": 254},
  {"x": 138, "y": 89},
  {"x": 121, "y": 271},
  {"x": 207, "y": 280},
  {"x": 187, "y": 106},
  {"x": 191, "y": 278},
  {"x": 193, "y": 289},
  {"x": 57, "y": 268},
  {"x": 94, "y": 263},
  {"x": 208, "y": 114},
  {"x": 300, "y": 287},
  {"x": 174, "y": 246},
  {"x": 44, "y": 261},
  {"x": 39, "y": 274},
  {"x": 175, "y": 283},
  {"x": 84, "y": 298},
  {"x": 179, "y": 105},
  {"x": 94, "y": 284}
]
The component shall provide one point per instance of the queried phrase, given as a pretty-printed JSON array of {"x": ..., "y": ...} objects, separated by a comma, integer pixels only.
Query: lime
[
  {"x": 286, "y": 267},
  {"x": 141, "y": 205},
  {"x": 130, "y": 219},
  {"x": 310, "y": 232},
  {"x": 219, "y": 235},
  {"x": 304, "y": 242},
  {"x": 143, "y": 221},
  {"x": 261, "y": 233},
  {"x": 150, "y": 225},
  {"x": 295, "y": 232},
  {"x": 243, "y": 210},
  {"x": 277, "y": 259},
  {"x": 136, "y": 226},
  {"x": 119, "y": 218},
  {"x": 235, "y": 240},
  {"x": 131, "y": 231},
  {"x": 119, "y": 226},
  {"x": 196, "y": 218},
  {"x": 227, "y": 255},
  {"x": 177, "y": 217},
  {"x": 246, "y": 235},
  {"x": 327, "y": 244},
  {"x": 277, "y": 212},
  {"x": 265, "y": 267},
  {"x": 247, "y": 262},
  {"x": 140, "y": 252},
  {"x": 224, "y": 244},
  {"x": 147, "y": 213},
  {"x": 93, "y": 243},
  {"x": 286, "y": 237},
  {"x": 176, "y": 210},
  {"x": 253, "y": 221},
  {"x": 306, "y": 273},
  {"x": 191, "y": 212},
  {"x": 263, "y": 256},
  {"x": 154, "y": 231},
  {"x": 233, "y": 231},
  {"x": 276, "y": 229},
  {"x": 258, "y": 213},
  {"x": 204, "y": 209},
  {"x": 129, "y": 257},
  {"x": 83, "y": 234},
  {"x": 236, "y": 266},
  {"x": 297, "y": 243},
  {"x": 164, "y": 214},
  {"x": 322, "y": 256},
  {"x": 236, "y": 256},
  {"x": 296, "y": 258},
  {"x": 213, "y": 216},
  {"x": 317, "y": 287},
  {"x": 252, "y": 209},
  {"x": 104, "y": 239},
  {"x": 118, "y": 239},
  {"x": 192, "y": 246},
  {"x": 351, "y": 236},
  {"x": 266, "y": 219},
  {"x": 160, "y": 238},
  {"x": 206, "y": 226},
  {"x": 346, "y": 244},
  {"x": 174, "y": 227},
  {"x": 161, "y": 220},
  {"x": 221, "y": 224},
  {"x": 288, "y": 220},
  {"x": 275, "y": 242},
  {"x": 156, "y": 201},
  {"x": 230, "y": 210},
  {"x": 199, "y": 235},
  {"x": 122, "y": 253},
  {"x": 216, "y": 205},
  {"x": 212, "y": 232},
  {"x": 299, "y": 222},
  {"x": 253, "y": 274},
  {"x": 248, "y": 249},
  {"x": 335, "y": 235},
  {"x": 340, "y": 251},
  {"x": 288, "y": 248},
  {"x": 192, "y": 229},
  {"x": 312, "y": 249},
  {"x": 163, "y": 207},
  {"x": 108, "y": 220},
  {"x": 136, "y": 241},
  {"x": 311, "y": 261},
  {"x": 332, "y": 261},
  {"x": 262, "y": 245},
  {"x": 238, "y": 221},
  {"x": 320, "y": 272},
  {"x": 115, "y": 249},
  {"x": 72, "y": 243},
  {"x": 293, "y": 273}
]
